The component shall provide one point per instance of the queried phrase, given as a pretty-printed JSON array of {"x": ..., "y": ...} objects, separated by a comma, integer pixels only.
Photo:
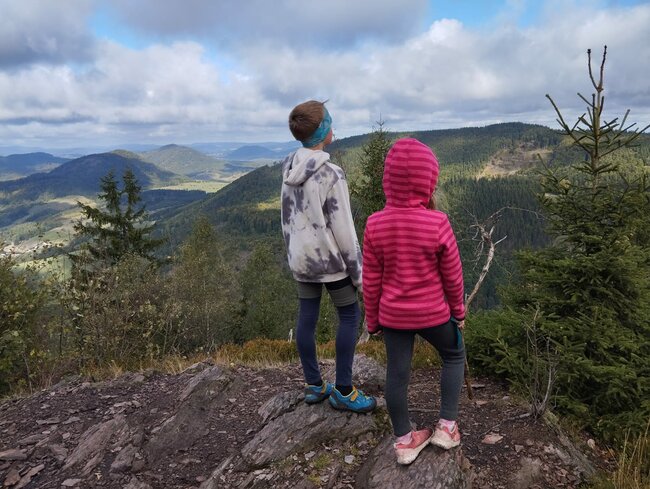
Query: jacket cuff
[{"x": 372, "y": 329}]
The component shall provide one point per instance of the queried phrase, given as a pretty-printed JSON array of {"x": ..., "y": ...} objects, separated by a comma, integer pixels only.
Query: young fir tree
[
  {"x": 368, "y": 191},
  {"x": 267, "y": 307},
  {"x": 119, "y": 228},
  {"x": 593, "y": 283},
  {"x": 206, "y": 287}
]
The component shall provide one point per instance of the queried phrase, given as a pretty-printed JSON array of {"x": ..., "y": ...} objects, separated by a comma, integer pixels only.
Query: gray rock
[
  {"x": 214, "y": 481},
  {"x": 124, "y": 460},
  {"x": 13, "y": 477},
  {"x": 306, "y": 484},
  {"x": 301, "y": 429},
  {"x": 199, "y": 366},
  {"x": 571, "y": 455},
  {"x": 93, "y": 443},
  {"x": 204, "y": 392},
  {"x": 203, "y": 383},
  {"x": 71, "y": 482},
  {"x": 366, "y": 372},
  {"x": 433, "y": 469},
  {"x": 32, "y": 439},
  {"x": 27, "y": 478},
  {"x": 280, "y": 404},
  {"x": 13, "y": 454},
  {"x": 59, "y": 452},
  {"x": 134, "y": 483},
  {"x": 529, "y": 473}
]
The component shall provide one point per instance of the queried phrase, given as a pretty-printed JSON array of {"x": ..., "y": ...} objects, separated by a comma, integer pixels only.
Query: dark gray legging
[{"x": 447, "y": 340}]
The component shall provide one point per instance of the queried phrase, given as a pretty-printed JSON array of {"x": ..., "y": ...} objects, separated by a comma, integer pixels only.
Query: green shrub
[{"x": 22, "y": 299}]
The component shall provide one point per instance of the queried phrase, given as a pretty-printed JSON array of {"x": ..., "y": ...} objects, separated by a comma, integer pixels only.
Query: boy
[{"x": 322, "y": 248}]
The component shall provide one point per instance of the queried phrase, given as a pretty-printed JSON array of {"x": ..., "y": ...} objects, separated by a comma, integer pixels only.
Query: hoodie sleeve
[
  {"x": 339, "y": 215},
  {"x": 451, "y": 270},
  {"x": 371, "y": 282}
]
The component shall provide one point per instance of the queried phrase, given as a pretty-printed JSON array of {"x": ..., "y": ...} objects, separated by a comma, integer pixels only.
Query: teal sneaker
[
  {"x": 356, "y": 401},
  {"x": 317, "y": 393}
]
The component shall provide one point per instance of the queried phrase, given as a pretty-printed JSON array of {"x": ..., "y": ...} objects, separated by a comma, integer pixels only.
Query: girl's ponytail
[{"x": 432, "y": 202}]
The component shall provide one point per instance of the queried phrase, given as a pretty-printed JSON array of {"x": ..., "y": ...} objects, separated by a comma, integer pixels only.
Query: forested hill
[
  {"x": 182, "y": 160},
  {"x": 468, "y": 144},
  {"x": 245, "y": 207},
  {"x": 250, "y": 205},
  {"x": 483, "y": 170}
]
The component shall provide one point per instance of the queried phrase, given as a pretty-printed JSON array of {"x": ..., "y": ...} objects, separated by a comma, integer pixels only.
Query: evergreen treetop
[{"x": 120, "y": 227}]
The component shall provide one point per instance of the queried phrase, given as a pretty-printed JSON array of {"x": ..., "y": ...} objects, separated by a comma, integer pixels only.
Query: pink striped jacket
[{"x": 412, "y": 274}]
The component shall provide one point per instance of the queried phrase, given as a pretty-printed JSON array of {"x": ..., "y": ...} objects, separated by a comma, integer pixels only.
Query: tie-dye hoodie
[{"x": 317, "y": 223}]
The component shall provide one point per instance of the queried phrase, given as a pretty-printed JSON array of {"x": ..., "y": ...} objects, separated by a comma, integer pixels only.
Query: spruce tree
[
  {"x": 120, "y": 227},
  {"x": 367, "y": 190},
  {"x": 592, "y": 284}
]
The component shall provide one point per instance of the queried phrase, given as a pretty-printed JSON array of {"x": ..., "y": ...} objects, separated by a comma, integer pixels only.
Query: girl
[{"x": 413, "y": 285}]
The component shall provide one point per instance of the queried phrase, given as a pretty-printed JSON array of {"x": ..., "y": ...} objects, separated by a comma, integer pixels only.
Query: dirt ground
[{"x": 500, "y": 440}]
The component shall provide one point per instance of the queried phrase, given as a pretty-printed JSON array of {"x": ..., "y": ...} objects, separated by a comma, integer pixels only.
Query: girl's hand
[{"x": 461, "y": 324}]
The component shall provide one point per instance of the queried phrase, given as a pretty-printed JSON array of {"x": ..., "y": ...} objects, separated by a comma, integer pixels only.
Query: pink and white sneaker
[
  {"x": 408, "y": 452},
  {"x": 446, "y": 438}
]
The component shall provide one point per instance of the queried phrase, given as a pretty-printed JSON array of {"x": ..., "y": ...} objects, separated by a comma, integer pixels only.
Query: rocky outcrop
[
  {"x": 365, "y": 372},
  {"x": 203, "y": 393},
  {"x": 301, "y": 427},
  {"x": 433, "y": 469},
  {"x": 213, "y": 427}
]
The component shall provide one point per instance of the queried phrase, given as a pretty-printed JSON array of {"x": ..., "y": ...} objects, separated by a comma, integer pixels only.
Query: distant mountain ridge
[
  {"x": 82, "y": 177},
  {"x": 183, "y": 160},
  {"x": 222, "y": 150},
  {"x": 253, "y": 151},
  {"x": 20, "y": 165}
]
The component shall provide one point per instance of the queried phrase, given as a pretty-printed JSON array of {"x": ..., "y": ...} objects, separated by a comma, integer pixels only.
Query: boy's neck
[{"x": 318, "y": 147}]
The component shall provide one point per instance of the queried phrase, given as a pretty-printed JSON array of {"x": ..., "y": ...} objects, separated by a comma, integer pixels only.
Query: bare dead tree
[
  {"x": 544, "y": 367},
  {"x": 485, "y": 242}
]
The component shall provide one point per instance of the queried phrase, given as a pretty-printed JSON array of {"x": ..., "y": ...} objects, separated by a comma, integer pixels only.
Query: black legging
[
  {"x": 399, "y": 352},
  {"x": 344, "y": 297}
]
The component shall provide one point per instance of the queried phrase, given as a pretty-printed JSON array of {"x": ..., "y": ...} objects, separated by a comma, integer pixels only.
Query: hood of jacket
[
  {"x": 410, "y": 174},
  {"x": 302, "y": 164}
]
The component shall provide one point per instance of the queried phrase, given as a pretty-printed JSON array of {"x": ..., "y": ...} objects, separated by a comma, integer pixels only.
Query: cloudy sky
[{"x": 111, "y": 73}]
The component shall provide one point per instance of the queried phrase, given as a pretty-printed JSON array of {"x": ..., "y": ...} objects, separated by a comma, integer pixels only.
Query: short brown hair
[{"x": 305, "y": 118}]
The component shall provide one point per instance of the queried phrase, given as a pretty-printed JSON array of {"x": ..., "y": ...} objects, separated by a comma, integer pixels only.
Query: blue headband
[{"x": 321, "y": 132}]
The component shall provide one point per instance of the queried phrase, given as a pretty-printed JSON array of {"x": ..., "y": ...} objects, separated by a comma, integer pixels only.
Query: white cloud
[
  {"x": 337, "y": 23},
  {"x": 34, "y": 31},
  {"x": 447, "y": 75}
]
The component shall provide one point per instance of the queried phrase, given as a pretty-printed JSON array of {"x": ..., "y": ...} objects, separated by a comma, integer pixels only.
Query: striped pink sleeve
[
  {"x": 372, "y": 271},
  {"x": 451, "y": 270}
]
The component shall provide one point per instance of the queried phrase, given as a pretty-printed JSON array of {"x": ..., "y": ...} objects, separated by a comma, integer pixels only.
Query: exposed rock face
[
  {"x": 365, "y": 371},
  {"x": 299, "y": 428},
  {"x": 94, "y": 442},
  {"x": 244, "y": 428},
  {"x": 203, "y": 392},
  {"x": 433, "y": 469}
]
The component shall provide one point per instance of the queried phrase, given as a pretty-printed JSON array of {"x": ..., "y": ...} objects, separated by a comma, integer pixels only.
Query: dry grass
[
  {"x": 258, "y": 353},
  {"x": 633, "y": 471}
]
